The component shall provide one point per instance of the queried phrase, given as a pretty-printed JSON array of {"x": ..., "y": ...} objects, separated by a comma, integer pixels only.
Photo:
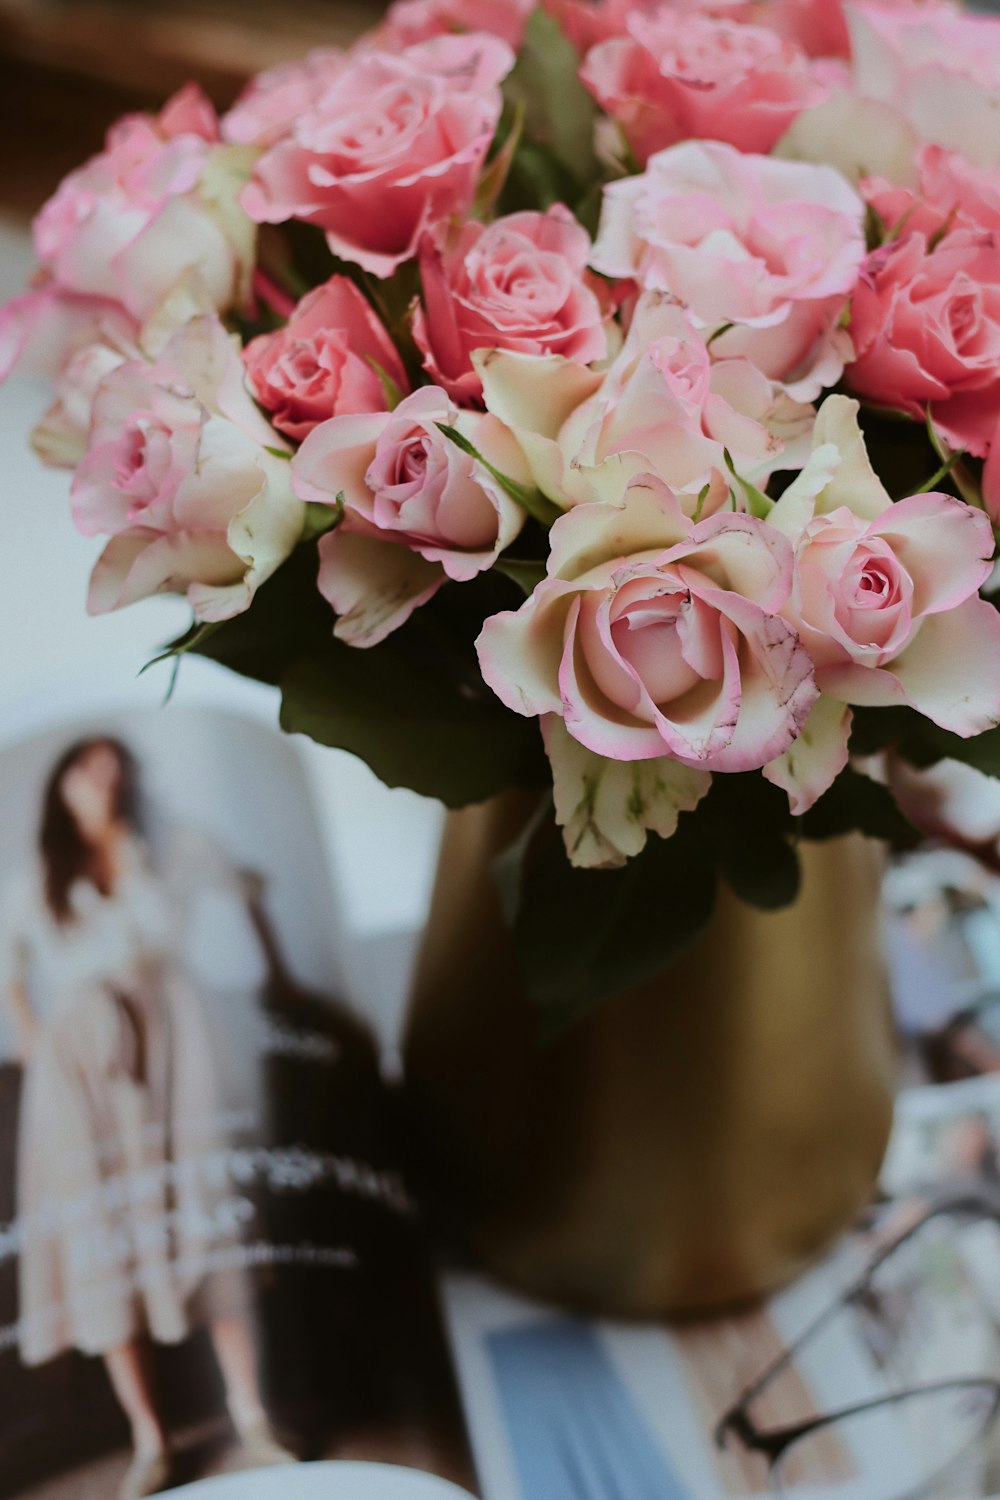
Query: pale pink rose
[
  {"x": 938, "y": 66},
  {"x": 654, "y": 635},
  {"x": 325, "y": 362},
  {"x": 885, "y": 596},
  {"x": 926, "y": 328},
  {"x": 42, "y": 330},
  {"x": 773, "y": 248},
  {"x": 182, "y": 475},
  {"x": 518, "y": 283},
  {"x": 889, "y": 609},
  {"x": 157, "y": 206},
  {"x": 270, "y": 104},
  {"x": 417, "y": 509},
  {"x": 391, "y": 147},
  {"x": 676, "y": 77},
  {"x": 662, "y": 408},
  {"x": 408, "y": 22},
  {"x": 62, "y": 436}
]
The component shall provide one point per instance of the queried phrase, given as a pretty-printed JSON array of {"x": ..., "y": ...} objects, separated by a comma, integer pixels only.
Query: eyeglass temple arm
[{"x": 737, "y": 1420}]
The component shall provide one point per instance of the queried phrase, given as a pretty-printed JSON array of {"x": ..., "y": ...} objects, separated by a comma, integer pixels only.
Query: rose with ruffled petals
[
  {"x": 270, "y": 104},
  {"x": 885, "y": 598},
  {"x": 938, "y": 66},
  {"x": 181, "y": 475},
  {"x": 159, "y": 205},
  {"x": 654, "y": 635},
  {"x": 519, "y": 283},
  {"x": 417, "y": 509},
  {"x": 325, "y": 362},
  {"x": 391, "y": 147},
  {"x": 925, "y": 321},
  {"x": 763, "y": 253},
  {"x": 408, "y": 22},
  {"x": 949, "y": 193},
  {"x": 675, "y": 77},
  {"x": 662, "y": 408}
]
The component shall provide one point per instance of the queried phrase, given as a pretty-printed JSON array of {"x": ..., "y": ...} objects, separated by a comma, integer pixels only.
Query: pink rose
[
  {"x": 889, "y": 609},
  {"x": 662, "y": 408},
  {"x": 518, "y": 283},
  {"x": 675, "y": 77},
  {"x": 772, "y": 248},
  {"x": 951, "y": 194},
  {"x": 42, "y": 330},
  {"x": 939, "y": 67},
  {"x": 157, "y": 206},
  {"x": 885, "y": 597},
  {"x": 323, "y": 362},
  {"x": 587, "y": 22},
  {"x": 408, "y": 22},
  {"x": 417, "y": 509},
  {"x": 654, "y": 635},
  {"x": 270, "y": 104},
  {"x": 181, "y": 475},
  {"x": 393, "y": 145},
  {"x": 926, "y": 327}
]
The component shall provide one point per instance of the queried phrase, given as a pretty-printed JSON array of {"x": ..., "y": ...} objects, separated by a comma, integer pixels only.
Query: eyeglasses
[{"x": 893, "y": 1445}]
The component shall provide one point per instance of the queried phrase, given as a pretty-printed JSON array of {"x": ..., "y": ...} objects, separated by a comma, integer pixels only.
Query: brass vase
[{"x": 694, "y": 1142}]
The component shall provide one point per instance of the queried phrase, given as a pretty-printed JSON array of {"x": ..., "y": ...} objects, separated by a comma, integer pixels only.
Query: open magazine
[{"x": 214, "y": 1275}]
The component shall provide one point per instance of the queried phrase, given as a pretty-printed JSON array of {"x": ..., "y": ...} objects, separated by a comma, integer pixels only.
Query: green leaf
[
  {"x": 531, "y": 500},
  {"x": 745, "y": 824},
  {"x": 757, "y": 503},
  {"x": 494, "y": 177},
  {"x": 403, "y": 717},
  {"x": 922, "y": 742},
  {"x": 559, "y": 113},
  {"x": 527, "y": 575},
  {"x": 278, "y": 453},
  {"x": 584, "y": 935},
  {"x": 856, "y": 803},
  {"x": 319, "y": 519},
  {"x": 390, "y": 388}
]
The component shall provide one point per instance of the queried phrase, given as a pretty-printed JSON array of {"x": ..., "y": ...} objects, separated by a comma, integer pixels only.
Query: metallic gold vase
[{"x": 692, "y": 1143}]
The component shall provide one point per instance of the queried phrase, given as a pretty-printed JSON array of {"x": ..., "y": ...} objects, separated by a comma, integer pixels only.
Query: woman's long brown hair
[{"x": 66, "y": 855}]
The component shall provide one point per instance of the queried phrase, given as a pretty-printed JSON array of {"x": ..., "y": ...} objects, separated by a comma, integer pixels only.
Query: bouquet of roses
[{"x": 600, "y": 398}]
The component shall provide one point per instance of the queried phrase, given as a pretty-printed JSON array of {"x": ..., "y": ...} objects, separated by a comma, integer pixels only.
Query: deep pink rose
[
  {"x": 889, "y": 609},
  {"x": 270, "y": 104},
  {"x": 325, "y": 362},
  {"x": 763, "y": 253},
  {"x": 655, "y": 635},
  {"x": 587, "y": 22},
  {"x": 392, "y": 146},
  {"x": 519, "y": 283},
  {"x": 926, "y": 327},
  {"x": 158, "y": 205},
  {"x": 950, "y": 194},
  {"x": 181, "y": 474},
  {"x": 408, "y": 22},
  {"x": 677, "y": 77},
  {"x": 418, "y": 510}
]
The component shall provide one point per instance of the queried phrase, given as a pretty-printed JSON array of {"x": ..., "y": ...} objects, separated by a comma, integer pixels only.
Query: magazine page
[
  {"x": 211, "y": 1270},
  {"x": 874, "y": 1377}
]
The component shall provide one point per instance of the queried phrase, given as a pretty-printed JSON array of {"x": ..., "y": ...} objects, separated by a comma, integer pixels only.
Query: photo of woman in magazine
[
  {"x": 119, "y": 1107},
  {"x": 209, "y": 1261}
]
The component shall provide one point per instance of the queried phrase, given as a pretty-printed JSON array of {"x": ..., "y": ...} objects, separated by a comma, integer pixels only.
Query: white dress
[{"x": 121, "y": 1181}]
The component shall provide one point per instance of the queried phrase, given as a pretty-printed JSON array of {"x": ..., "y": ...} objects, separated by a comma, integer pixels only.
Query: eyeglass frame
[{"x": 774, "y": 1443}]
